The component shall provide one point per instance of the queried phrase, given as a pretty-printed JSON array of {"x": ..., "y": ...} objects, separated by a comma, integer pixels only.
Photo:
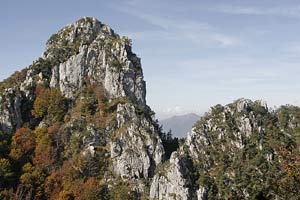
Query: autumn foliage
[
  {"x": 23, "y": 144},
  {"x": 290, "y": 168},
  {"x": 50, "y": 103}
]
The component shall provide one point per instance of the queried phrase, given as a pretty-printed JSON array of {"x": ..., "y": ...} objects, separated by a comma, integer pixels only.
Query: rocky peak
[
  {"x": 86, "y": 51},
  {"x": 246, "y": 105},
  {"x": 90, "y": 85},
  {"x": 91, "y": 50},
  {"x": 82, "y": 55},
  {"x": 242, "y": 105},
  {"x": 231, "y": 142},
  {"x": 82, "y": 32}
]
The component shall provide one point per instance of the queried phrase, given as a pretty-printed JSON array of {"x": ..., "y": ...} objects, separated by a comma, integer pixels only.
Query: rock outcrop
[
  {"x": 175, "y": 180},
  {"x": 234, "y": 123},
  {"x": 137, "y": 150},
  {"x": 101, "y": 55},
  {"x": 90, "y": 53},
  {"x": 10, "y": 110}
]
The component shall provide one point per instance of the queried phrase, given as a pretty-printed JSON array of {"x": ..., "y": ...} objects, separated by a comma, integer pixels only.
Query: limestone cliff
[{"x": 81, "y": 56}]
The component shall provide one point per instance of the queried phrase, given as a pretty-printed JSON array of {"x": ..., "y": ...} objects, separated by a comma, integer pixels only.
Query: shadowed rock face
[{"x": 88, "y": 52}]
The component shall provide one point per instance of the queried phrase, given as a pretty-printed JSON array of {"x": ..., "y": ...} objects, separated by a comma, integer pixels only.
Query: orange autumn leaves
[
  {"x": 50, "y": 103},
  {"x": 290, "y": 167}
]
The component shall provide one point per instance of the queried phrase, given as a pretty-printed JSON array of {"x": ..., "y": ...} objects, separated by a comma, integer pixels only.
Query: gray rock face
[
  {"x": 245, "y": 121},
  {"x": 104, "y": 57},
  {"x": 173, "y": 181},
  {"x": 137, "y": 149},
  {"x": 69, "y": 76},
  {"x": 12, "y": 102},
  {"x": 107, "y": 59},
  {"x": 202, "y": 193},
  {"x": 10, "y": 111}
]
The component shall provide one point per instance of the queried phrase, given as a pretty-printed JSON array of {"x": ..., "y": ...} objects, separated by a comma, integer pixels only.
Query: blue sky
[{"x": 195, "y": 54}]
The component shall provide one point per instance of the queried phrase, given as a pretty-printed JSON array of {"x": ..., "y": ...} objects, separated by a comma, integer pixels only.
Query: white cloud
[
  {"x": 226, "y": 40},
  {"x": 240, "y": 69},
  {"x": 210, "y": 75},
  {"x": 287, "y": 11},
  {"x": 180, "y": 29},
  {"x": 163, "y": 113}
]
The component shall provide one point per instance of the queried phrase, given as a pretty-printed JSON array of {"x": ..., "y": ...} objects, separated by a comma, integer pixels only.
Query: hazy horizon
[{"x": 195, "y": 54}]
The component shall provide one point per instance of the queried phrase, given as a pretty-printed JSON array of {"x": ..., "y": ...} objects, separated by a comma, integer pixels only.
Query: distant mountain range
[{"x": 180, "y": 124}]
